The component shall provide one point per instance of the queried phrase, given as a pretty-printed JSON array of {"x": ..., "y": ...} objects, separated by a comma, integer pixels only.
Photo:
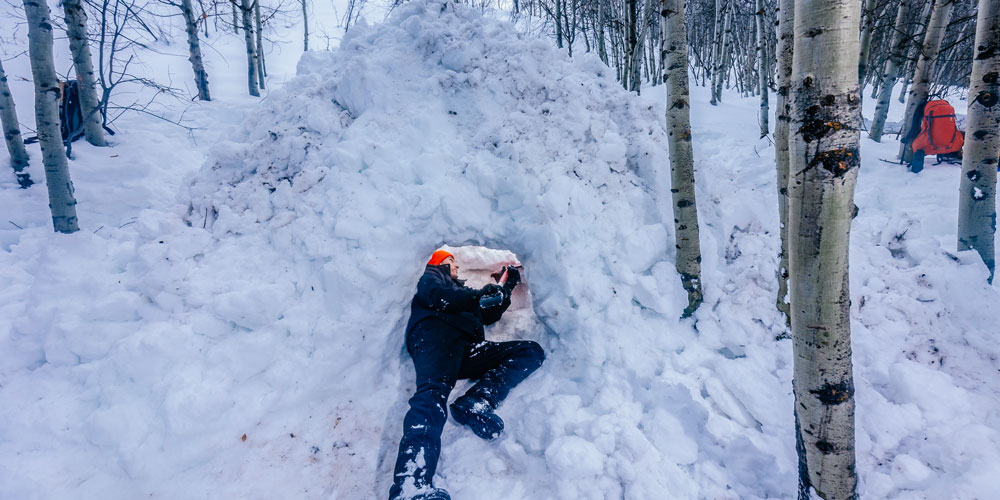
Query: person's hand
[
  {"x": 491, "y": 296},
  {"x": 513, "y": 278}
]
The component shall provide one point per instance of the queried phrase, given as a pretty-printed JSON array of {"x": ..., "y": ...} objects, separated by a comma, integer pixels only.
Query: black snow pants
[{"x": 442, "y": 355}]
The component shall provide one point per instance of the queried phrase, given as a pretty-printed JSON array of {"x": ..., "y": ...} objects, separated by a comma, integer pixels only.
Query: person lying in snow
[{"x": 446, "y": 339}]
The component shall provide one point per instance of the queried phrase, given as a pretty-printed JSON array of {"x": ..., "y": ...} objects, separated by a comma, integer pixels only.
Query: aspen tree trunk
[
  {"x": 896, "y": 51},
  {"x": 305, "y": 24},
  {"x": 977, "y": 195},
  {"x": 727, "y": 39},
  {"x": 717, "y": 47},
  {"x": 675, "y": 75},
  {"x": 866, "y": 40},
  {"x": 602, "y": 49},
  {"x": 783, "y": 110},
  {"x": 194, "y": 51},
  {"x": 633, "y": 42},
  {"x": 76, "y": 30},
  {"x": 762, "y": 61},
  {"x": 62, "y": 204},
  {"x": 252, "y": 77},
  {"x": 824, "y": 168},
  {"x": 12, "y": 133},
  {"x": 559, "y": 33},
  {"x": 940, "y": 15},
  {"x": 261, "y": 67}
]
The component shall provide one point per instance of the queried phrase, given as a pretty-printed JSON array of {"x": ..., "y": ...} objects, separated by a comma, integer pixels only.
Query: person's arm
[
  {"x": 493, "y": 314},
  {"x": 435, "y": 293}
]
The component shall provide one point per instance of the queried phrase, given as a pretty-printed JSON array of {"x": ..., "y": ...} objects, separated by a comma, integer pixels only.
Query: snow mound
[{"x": 443, "y": 127}]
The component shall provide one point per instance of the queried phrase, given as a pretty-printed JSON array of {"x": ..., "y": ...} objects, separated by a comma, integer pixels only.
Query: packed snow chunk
[
  {"x": 574, "y": 457},
  {"x": 908, "y": 472},
  {"x": 932, "y": 390}
]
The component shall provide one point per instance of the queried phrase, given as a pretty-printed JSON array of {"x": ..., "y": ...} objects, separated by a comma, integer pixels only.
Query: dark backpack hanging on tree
[
  {"x": 70, "y": 111},
  {"x": 71, "y": 115}
]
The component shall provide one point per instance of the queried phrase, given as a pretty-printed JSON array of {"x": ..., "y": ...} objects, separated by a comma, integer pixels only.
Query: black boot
[
  {"x": 477, "y": 414},
  {"x": 435, "y": 494}
]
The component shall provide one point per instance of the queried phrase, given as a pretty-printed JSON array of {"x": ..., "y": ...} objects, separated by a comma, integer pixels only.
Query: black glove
[
  {"x": 513, "y": 278},
  {"x": 491, "y": 296}
]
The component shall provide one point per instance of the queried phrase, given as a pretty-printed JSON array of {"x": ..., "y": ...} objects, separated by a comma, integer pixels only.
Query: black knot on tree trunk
[
  {"x": 825, "y": 447},
  {"x": 838, "y": 161},
  {"x": 834, "y": 394},
  {"x": 987, "y": 98}
]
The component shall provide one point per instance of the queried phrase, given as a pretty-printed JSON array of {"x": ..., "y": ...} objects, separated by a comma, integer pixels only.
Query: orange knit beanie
[{"x": 438, "y": 256}]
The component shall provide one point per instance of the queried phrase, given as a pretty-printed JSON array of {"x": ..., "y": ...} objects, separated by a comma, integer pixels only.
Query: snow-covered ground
[{"x": 228, "y": 321}]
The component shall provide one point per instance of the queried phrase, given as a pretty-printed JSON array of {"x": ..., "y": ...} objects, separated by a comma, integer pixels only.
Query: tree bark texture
[
  {"x": 920, "y": 87},
  {"x": 194, "y": 51},
  {"x": 252, "y": 78},
  {"x": 727, "y": 39},
  {"x": 785, "y": 28},
  {"x": 305, "y": 27},
  {"x": 977, "y": 214},
  {"x": 897, "y": 49},
  {"x": 259, "y": 53},
  {"x": 634, "y": 60},
  {"x": 76, "y": 30},
  {"x": 762, "y": 69},
  {"x": 675, "y": 75},
  {"x": 12, "y": 133},
  {"x": 866, "y": 40},
  {"x": 824, "y": 168},
  {"x": 61, "y": 201},
  {"x": 720, "y": 12}
]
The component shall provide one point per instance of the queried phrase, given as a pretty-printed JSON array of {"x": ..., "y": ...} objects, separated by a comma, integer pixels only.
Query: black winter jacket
[{"x": 449, "y": 300}]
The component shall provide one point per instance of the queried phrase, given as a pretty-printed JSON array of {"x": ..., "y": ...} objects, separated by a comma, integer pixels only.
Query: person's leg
[
  {"x": 436, "y": 350},
  {"x": 499, "y": 366}
]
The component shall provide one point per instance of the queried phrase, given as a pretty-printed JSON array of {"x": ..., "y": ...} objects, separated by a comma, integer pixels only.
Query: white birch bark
[
  {"x": 62, "y": 204},
  {"x": 602, "y": 49},
  {"x": 245, "y": 10},
  {"x": 866, "y": 40},
  {"x": 763, "y": 68},
  {"x": 305, "y": 26},
  {"x": 785, "y": 28},
  {"x": 675, "y": 75},
  {"x": 194, "y": 51},
  {"x": 76, "y": 30},
  {"x": 727, "y": 39},
  {"x": 920, "y": 87},
  {"x": 892, "y": 65},
  {"x": 717, "y": 46},
  {"x": 824, "y": 168},
  {"x": 259, "y": 49},
  {"x": 634, "y": 50},
  {"x": 977, "y": 214},
  {"x": 12, "y": 133}
]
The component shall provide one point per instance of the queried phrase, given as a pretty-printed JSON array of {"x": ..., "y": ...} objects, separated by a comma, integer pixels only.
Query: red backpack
[{"x": 939, "y": 133}]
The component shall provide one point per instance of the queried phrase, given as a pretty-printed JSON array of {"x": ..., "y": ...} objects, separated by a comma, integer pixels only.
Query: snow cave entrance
[{"x": 477, "y": 264}]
